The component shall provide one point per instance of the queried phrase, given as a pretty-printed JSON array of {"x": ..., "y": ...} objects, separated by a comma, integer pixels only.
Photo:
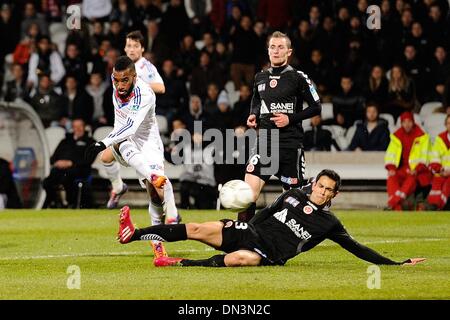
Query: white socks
[
  {"x": 113, "y": 172},
  {"x": 169, "y": 202}
]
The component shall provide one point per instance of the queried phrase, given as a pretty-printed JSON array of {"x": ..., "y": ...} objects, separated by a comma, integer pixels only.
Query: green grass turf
[{"x": 37, "y": 247}]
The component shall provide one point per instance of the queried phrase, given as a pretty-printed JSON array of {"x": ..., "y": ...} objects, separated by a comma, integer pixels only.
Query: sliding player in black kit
[
  {"x": 277, "y": 106},
  {"x": 296, "y": 222}
]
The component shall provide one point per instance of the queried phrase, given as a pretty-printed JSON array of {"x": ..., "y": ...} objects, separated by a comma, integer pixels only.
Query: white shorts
[{"x": 153, "y": 152}]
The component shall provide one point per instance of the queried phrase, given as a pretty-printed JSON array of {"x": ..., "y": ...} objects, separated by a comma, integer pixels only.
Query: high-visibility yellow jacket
[
  {"x": 440, "y": 153},
  {"x": 418, "y": 155}
]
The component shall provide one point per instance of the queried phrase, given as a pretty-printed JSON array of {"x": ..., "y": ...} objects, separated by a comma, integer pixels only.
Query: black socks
[
  {"x": 164, "y": 232},
  {"x": 247, "y": 214},
  {"x": 214, "y": 261}
]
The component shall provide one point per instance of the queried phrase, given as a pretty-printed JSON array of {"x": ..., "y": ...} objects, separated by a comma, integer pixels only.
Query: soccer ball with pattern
[{"x": 236, "y": 195}]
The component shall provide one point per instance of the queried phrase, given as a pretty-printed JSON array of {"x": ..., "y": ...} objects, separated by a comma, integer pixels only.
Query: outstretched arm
[{"x": 341, "y": 236}]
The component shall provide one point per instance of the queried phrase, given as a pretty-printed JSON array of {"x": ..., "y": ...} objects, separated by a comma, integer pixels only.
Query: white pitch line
[{"x": 132, "y": 253}]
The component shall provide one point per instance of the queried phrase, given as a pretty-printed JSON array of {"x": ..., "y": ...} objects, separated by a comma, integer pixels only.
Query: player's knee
[
  {"x": 193, "y": 230},
  {"x": 241, "y": 259},
  {"x": 107, "y": 157}
]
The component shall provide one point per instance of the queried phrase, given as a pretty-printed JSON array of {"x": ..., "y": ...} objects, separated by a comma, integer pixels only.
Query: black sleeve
[
  {"x": 255, "y": 106},
  {"x": 308, "y": 93},
  {"x": 263, "y": 214},
  {"x": 341, "y": 237}
]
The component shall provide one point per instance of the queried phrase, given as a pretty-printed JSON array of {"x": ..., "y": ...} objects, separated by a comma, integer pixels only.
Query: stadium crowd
[{"x": 208, "y": 51}]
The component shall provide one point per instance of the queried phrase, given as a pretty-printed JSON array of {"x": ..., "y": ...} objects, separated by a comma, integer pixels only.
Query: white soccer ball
[{"x": 236, "y": 195}]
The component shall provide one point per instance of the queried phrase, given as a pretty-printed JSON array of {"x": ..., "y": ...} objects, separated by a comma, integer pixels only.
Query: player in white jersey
[{"x": 135, "y": 141}]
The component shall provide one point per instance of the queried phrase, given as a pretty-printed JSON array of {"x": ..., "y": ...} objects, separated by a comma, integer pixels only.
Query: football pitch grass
[{"x": 45, "y": 253}]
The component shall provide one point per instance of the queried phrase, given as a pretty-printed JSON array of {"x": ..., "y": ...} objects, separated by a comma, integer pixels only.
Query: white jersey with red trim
[
  {"x": 147, "y": 71},
  {"x": 134, "y": 118}
]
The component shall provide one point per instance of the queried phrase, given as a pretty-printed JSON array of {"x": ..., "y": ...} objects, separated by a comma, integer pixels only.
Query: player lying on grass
[{"x": 296, "y": 222}]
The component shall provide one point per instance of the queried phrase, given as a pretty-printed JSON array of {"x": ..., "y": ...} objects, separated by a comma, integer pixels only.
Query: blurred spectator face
[
  {"x": 44, "y": 83},
  {"x": 303, "y": 27},
  {"x": 111, "y": 56},
  {"x": 44, "y": 45},
  {"x": 328, "y": 24},
  {"x": 17, "y": 72},
  {"x": 168, "y": 67},
  {"x": 316, "y": 56},
  {"x": 377, "y": 72},
  {"x": 5, "y": 13},
  {"x": 239, "y": 131},
  {"x": 407, "y": 125},
  {"x": 152, "y": 29},
  {"x": 447, "y": 123},
  {"x": 244, "y": 92},
  {"x": 385, "y": 7},
  {"x": 208, "y": 39},
  {"x": 123, "y": 5},
  {"x": 78, "y": 128},
  {"x": 33, "y": 30},
  {"x": 133, "y": 49},
  {"x": 197, "y": 138},
  {"x": 98, "y": 28},
  {"x": 355, "y": 23},
  {"x": 236, "y": 13},
  {"x": 316, "y": 120},
  {"x": 416, "y": 30},
  {"x": 105, "y": 45},
  {"x": 95, "y": 80},
  {"x": 223, "y": 107},
  {"x": 178, "y": 125},
  {"x": 314, "y": 13},
  {"x": 407, "y": 18},
  {"x": 30, "y": 11},
  {"x": 71, "y": 83},
  {"x": 259, "y": 28},
  {"x": 115, "y": 27},
  {"x": 204, "y": 59},
  {"x": 410, "y": 52},
  {"x": 440, "y": 54},
  {"x": 71, "y": 51},
  {"x": 396, "y": 73},
  {"x": 371, "y": 113},
  {"x": 188, "y": 41},
  {"x": 343, "y": 14},
  {"x": 195, "y": 104},
  {"x": 399, "y": 5},
  {"x": 279, "y": 51},
  {"x": 346, "y": 84},
  {"x": 362, "y": 5},
  {"x": 246, "y": 23},
  {"x": 213, "y": 91},
  {"x": 435, "y": 13},
  {"x": 220, "y": 48}
]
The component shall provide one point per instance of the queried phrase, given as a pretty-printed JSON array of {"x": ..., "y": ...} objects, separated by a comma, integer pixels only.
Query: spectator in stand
[
  {"x": 328, "y": 41},
  {"x": 195, "y": 113},
  {"x": 221, "y": 58},
  {"x": 80, "y": 104},
  {"x": 116, "y": 35},
  {"x": 174, "y": 15},
  {"x": 197, "y": 12},
  {"x": 98, "y": 35},
  {"x": 9, "y": 197},
  {"x": 74, "y": 64},
  {"x": 68, "y": 165},
  {"x": 243, "y": 57},
  {"x": 318, "y": 138},
  {"x": 210, "y": 102},
  {"x": 157, "y": 42},
  {"x": 376, "y": 88},
  {"x": 437, "y": 31},
  {"x": 16, "y": 88},
  {"x": 439, "y": 71},
  {"x": 401, "y": 93},
  {"x": 121, "y": 12},
  {"x": 241, "y": 108},
  {"x": 415, "y": 69},
  {"x": 261, "y": 46},
  {"x": 45, "y": 60},
  {"x": 222, "y": 117},
  {"x": 276, "y": 14},
  {"x": 187, "y": 57},
  {"x": 175, "y": 98},
  {"x": 144, "y": 11},
  {"x": 348, "y": 104},
  {"x": 9, "y": 32},
  {"x": 209, "y": 45},
  {"x": 96, "y": 89},
  {"x": 302, "y": 43},
  {"x": 48, "y": 104},
  {"x": 205, "y": 73},
  {"x": 440, "y": 167},
  {"x": 422, "y": 44},
  {"x": 406, "y": 161},
  {"x": 372, "y": 134},
  {"x": 322, "y": 73},
  {"x": 26, "y": 46},
  {"x": 197, "y": 179},
  {"x": 30, "y": 15}
]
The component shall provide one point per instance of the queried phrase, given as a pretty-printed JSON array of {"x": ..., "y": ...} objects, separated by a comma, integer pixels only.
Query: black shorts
[
  {"x": 290, "y": 171},
  {"x": 238, "y": 235}
]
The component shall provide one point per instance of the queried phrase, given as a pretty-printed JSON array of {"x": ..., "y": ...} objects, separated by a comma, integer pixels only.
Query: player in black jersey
[
  {"x": 277, "y": 108},
  {"x": 296, "y": 222}
]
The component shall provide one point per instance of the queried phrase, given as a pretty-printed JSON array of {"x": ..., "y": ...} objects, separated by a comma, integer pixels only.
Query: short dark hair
[
  {"x": 333, "y": 175},
  {"x": 123, "y": 63},
  {"x": 137, "y": 36}
]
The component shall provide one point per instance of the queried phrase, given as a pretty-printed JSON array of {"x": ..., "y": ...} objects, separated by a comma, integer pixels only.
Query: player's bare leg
[
  {"x": 256, "y": 183},
  {"x": 112, "y": 169}
]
